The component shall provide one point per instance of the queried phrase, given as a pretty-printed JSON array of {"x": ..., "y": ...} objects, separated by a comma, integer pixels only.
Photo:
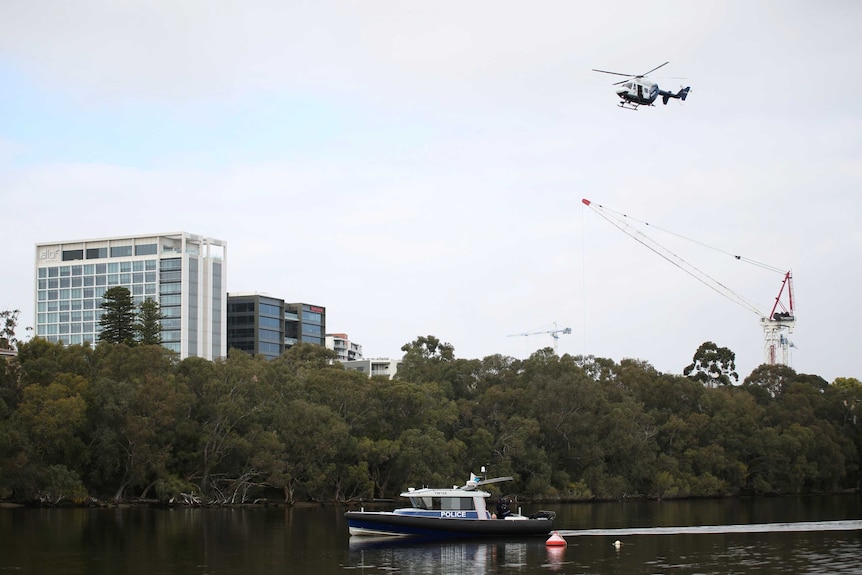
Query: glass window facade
[{"x": 75, "y": 291}]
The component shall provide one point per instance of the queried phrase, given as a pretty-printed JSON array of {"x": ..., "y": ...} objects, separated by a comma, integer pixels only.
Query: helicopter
[{"x": 638, "y": 90}]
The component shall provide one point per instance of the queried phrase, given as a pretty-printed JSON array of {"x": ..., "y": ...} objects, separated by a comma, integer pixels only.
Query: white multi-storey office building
[{"x": 184, "y": 273}]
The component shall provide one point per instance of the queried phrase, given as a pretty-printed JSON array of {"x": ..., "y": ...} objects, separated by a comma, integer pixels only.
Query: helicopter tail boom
[{"x": 681, "y": 95}]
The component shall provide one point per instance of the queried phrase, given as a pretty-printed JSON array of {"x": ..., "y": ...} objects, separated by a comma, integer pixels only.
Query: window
[
  {"x": 71, "y": 255},
  {"x": 268, "y": 335},
  {"x": 311, "y": 329},
  {"x": 241, "y": 307},
  {"x": 97, "y": 253},
  {"x": 170, "y": 311},
  {"x": 146, "y": 250},
  {"x": 171, "y": 335},
  {"x": 271, "y": 349},
  {"x": 121, "y": 251},
  {"x": 270, "y": 310},
  {"x": 171, "y": 300},
  {"x": 312, "y": 317},
  {"x": 171, "y": 264}
]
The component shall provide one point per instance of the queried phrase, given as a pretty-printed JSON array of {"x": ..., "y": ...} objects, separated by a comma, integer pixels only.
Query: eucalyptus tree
[
  {"x": 9, "y": 320},
  {"x": 423, "y": 359},
  {"x": 713, "y": 365},
  {"x": 135, "y": 406},
  {"x": 769, "y": 381},
  {"x": 48, "y": 444}
]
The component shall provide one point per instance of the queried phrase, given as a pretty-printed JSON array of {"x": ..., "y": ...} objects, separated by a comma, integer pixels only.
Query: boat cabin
[{"x": 455, "y": 503}]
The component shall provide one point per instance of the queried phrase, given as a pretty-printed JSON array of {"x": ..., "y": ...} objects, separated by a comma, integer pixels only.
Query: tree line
[{"x": 133, "y": 422}]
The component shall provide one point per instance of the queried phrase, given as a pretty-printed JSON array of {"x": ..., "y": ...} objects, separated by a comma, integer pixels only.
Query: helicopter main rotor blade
[
  {"x": 615, "y": 73},
  {"x": 653, "y": 70}
]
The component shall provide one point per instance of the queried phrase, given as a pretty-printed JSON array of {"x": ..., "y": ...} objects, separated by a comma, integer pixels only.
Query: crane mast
[{"x": 776, "y": 326}]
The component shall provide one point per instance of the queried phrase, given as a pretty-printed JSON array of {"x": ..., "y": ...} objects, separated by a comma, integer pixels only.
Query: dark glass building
[{"x": 260, "y": 324}]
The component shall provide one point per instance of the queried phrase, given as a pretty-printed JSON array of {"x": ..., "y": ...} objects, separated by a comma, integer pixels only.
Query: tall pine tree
[
  {"x": 119, "y": 318},
  {"x": 149, "y": 326}
]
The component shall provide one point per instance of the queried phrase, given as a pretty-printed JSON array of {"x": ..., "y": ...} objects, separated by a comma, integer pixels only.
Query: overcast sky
[{"x": 418, "y": 167}]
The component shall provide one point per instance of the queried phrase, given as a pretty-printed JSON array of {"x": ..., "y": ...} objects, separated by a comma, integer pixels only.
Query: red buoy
[{"x": 556, "y": 540}]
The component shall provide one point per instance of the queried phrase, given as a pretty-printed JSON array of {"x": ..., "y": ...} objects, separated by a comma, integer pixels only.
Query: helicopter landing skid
[{"x": 628, "y": 106}]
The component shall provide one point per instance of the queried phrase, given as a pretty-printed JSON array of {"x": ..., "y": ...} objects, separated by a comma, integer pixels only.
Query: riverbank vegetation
[{"x": 121, "y": 423}]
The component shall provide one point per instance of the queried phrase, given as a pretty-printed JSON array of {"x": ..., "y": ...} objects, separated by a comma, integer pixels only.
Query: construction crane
[
  {"x": 554, "y": 333},
  {"x": 777, "y": 325}
]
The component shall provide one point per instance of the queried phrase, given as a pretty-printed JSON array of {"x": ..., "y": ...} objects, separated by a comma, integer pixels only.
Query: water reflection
[
  {"x": 414, "y": 557},
  {"x": 786, "y": 535}
]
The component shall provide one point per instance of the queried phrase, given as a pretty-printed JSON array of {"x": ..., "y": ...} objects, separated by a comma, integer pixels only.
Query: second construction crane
[
  {"x": 777, "y": 325},
  {"x": 554, "y": 333}
]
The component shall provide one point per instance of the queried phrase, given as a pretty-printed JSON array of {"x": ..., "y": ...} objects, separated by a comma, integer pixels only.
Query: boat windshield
[{"x": 443, "y": 503}]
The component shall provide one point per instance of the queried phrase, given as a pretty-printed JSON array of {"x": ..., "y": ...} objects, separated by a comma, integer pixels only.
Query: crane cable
[
  {"x": 719, "y": 250},
  {"x": 618, "y": 221}
]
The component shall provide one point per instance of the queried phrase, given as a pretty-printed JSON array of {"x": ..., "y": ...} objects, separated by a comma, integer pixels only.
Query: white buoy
[
  {"x": 617, "y": 544},
  {"x": 556, "y": 540}
]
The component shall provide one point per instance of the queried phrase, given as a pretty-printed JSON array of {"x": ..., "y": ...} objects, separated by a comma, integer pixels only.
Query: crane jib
[{"x": 773, "y": 324}]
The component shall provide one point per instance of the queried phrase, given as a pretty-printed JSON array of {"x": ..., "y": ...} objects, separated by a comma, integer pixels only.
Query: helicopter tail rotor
[{"x": 681, "y": 95}]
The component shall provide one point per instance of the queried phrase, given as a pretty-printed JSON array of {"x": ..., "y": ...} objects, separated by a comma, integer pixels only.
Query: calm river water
[{"x": 781, "y": 535}]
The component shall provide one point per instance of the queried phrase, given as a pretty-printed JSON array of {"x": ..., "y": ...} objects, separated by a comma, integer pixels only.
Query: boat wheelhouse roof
[{"x": 437, "y": 492}]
